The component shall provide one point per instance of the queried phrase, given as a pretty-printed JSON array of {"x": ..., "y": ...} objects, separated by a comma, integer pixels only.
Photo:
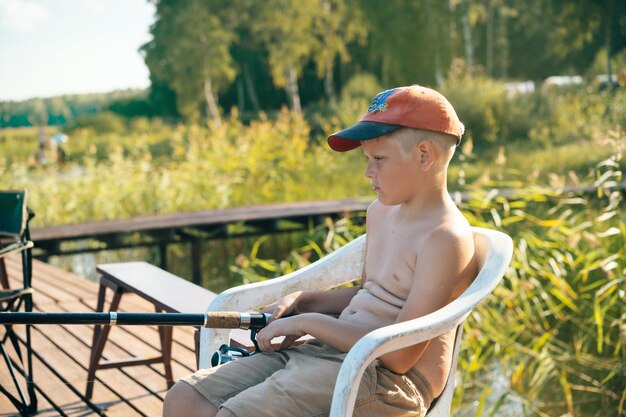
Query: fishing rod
[{"x": 210, "y": 319}]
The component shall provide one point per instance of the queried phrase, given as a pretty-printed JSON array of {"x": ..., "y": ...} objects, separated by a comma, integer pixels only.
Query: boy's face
[{"x": 393, "y": 172}]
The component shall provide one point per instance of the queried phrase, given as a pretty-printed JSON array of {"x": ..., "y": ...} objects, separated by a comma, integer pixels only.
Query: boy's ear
[{"x": 426, "y": 154}]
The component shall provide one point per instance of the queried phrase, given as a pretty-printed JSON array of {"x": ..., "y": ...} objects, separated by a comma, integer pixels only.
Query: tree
[
  {"x": 588, "y": 26},
  {"x": 409, "y": 41},
  {"x": 190, "y": 50},
  {"x": 286, "y": 29},
  {"x": 338, "y": 23}
]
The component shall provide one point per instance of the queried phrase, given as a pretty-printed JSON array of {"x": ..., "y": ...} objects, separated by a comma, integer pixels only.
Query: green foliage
[
  {"x": 190, "y": 51},
  {"x": 132, "y": 107},
  {"x": 61, "y": 109},
  {"x": 338, "y": 23},
  {"x": 490, "y": 115},
  {"x": 295, "y": 33},
  {"x": 18, "y": 144},
  {"x": 285, "y": 27},
  {"x": 185, "y": 169},
  {"x": 556, "y": 324},
  {"x": 599, "y": 65},
  {"x": 352, "y": 104},
  {"x": 321, "y": 240},
  {"x": 480, "y": 103},
  {"x": 103, "y": 122},
  {"x": 541, "y": 119},
  {"x": 361, "y": 87},
  {"x": 555, "y": 328},
  {"x": 571, "y": 116}
]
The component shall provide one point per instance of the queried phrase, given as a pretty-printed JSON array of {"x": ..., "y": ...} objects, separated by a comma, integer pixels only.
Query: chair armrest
[
  {"x": 15, "y": 247},
  {"x": 7, "y": 295},
  {"x": 388, "y": 339},
  {"x": 342, "y": 266}
]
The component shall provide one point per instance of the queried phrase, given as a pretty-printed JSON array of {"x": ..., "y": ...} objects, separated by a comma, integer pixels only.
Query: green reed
[{"x": 551, "y": 339}]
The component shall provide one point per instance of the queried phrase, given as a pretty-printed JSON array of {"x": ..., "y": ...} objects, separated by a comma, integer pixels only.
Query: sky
[{"x": 54, "y": 47}]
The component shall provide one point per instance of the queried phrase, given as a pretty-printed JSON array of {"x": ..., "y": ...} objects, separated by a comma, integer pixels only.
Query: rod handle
[
  {"x": 223, "y": 319},
  {"x": 234, "y": 320}
]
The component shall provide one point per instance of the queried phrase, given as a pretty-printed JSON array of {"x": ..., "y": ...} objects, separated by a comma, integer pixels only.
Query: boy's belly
[
  {"x": 380, "y": 309},
  {"x": 372, "y": 309}
]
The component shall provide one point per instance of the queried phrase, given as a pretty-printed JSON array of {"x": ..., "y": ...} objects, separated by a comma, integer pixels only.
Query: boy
[{"x": 419, "y": 256}]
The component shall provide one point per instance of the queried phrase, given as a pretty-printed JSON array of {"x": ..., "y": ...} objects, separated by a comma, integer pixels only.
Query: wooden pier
[
  {"x": 162, "y": 230},
  {"x": 62, "y": 353}
]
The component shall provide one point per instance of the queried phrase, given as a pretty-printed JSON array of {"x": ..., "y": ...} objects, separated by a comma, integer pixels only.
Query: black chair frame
[{"x": 14, "y": 239}]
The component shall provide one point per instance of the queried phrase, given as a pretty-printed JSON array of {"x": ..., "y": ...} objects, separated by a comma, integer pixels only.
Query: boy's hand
[
  {"x": 285, "y": 306},
  {"x": 290, "y": 327}
]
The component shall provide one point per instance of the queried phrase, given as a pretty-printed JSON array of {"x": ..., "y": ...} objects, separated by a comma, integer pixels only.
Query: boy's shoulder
[
  {"x": 448, "y": 229},
  {"x": 376, "y": 212},
  {"x": 376, "y": 207},
  {"x": 446, "y": 221}
]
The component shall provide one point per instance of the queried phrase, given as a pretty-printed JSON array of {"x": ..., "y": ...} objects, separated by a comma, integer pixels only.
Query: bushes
[
  {"x": 188, "y": 168},
  {"x": 578, "y": 115},
  {"x": 480, "y": 103},
  {"x": 555, "y": 116},
  {"x": 101, "y": 122}
]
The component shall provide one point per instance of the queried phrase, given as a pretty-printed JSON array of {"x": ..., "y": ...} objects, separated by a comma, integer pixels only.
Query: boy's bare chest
[{"x": 391, "y": 261}]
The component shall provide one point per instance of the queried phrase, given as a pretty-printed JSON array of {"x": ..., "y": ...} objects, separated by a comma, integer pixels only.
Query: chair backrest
[
  {"x": 495, "y": 250},
  {"x": 13, "y": 213},
  {"x": 441, "y": 405}
]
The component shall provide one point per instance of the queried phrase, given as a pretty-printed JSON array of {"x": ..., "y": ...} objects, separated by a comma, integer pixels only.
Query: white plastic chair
[{"x": 494, "y": 250}]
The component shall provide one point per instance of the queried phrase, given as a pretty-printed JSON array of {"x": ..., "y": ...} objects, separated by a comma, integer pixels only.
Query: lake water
[{"x": 217, "y": 257}]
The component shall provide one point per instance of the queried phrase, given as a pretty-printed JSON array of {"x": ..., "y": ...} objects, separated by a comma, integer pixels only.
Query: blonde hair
[{"x": 409, "y": 138}]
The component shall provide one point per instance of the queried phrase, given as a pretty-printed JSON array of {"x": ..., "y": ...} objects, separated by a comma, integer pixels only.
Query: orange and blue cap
[{"x": 415, "y": 107}]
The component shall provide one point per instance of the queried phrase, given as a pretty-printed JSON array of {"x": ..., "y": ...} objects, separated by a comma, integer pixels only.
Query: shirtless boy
[{"x": 419, "y": 256}]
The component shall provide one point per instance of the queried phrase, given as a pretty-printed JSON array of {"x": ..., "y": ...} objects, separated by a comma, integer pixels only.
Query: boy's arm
[
  {"x": 441, "y": 265},
  {"x": 340, "y": 334},
  {"x": 326, "y": 302},
  {"x": 308, "y": 312}
]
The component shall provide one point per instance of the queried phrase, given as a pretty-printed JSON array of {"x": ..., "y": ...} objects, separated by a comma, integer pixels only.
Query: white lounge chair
[{"x": 494, "y": 250}]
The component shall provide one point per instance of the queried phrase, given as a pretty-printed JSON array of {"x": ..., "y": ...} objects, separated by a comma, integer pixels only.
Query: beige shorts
[{"x": 300, "y": 382}]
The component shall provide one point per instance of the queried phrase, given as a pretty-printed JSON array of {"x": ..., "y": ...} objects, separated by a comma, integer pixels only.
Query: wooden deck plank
[
  {"x": 84, "y": 293},
  {"x": 138, "y": 382},
  {"x": 45, "y": 292},
  {"x": 84, "y": 290},
  {"x": 127, "y": 344},
  {"x": 64, "y": 352},
  {"x": 59, "y": 393},
  {"x": 7, "y": 409},
  {"x": 130, "y": 391}
]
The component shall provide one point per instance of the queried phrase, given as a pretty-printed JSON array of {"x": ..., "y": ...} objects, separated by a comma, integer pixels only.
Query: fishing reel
[
  {"x": 252, "y": 321},
  {"x": 227, "y": 353}
]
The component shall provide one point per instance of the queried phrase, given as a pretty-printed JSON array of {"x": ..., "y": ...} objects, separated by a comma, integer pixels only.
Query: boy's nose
[{"x": 368, "y": 170}]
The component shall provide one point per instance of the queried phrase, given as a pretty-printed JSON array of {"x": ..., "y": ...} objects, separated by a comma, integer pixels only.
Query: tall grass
[
  {"x": 264, "y": 162},
  {"x": 551, "y": 339},
  {"x": 557, "y": 323},
  {"x": 189, "y": 168}
]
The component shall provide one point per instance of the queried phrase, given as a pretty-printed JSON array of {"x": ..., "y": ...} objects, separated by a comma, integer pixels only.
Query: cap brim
[{"x": 351, "y": 137}]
